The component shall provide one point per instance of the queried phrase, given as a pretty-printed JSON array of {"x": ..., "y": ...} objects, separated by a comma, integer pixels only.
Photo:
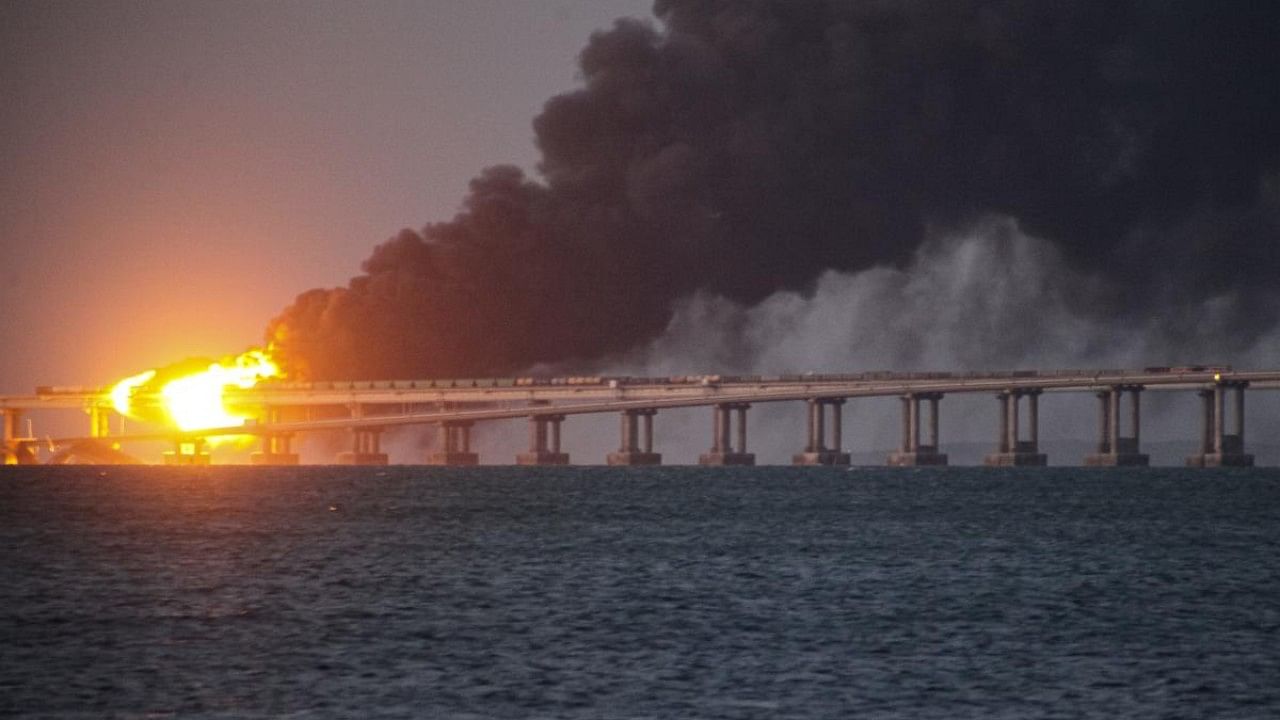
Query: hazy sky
[{"x": 174, "y": 173}]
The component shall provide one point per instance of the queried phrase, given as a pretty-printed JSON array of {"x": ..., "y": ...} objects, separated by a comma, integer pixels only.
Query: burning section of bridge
[{"x": 190, "y": 395}]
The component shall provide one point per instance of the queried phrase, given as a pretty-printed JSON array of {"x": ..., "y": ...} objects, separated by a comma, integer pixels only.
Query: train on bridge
[
  {"x": 623, "y": 381},
  {"x": 366, "y": 409}
]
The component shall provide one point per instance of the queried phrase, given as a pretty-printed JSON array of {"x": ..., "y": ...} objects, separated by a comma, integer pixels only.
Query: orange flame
[{"x": 194, "y": 401}]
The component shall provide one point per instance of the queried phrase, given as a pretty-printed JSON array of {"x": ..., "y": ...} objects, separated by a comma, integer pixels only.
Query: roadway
[{"x": 496, "y": 403}]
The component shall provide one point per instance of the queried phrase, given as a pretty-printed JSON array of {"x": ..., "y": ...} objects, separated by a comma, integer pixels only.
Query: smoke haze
[
  {"x": 990, "y": 297},
  {"x": 722, "y": 173}
]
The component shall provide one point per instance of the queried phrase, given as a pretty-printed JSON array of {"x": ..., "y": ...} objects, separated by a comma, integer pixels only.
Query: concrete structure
[
  {"x": 823, "y": 447},
  {"x": 91, "y": 451},
  {"x": 1217, "y": 447},
  {"x": 9, "y": 420},
  {"x": 913, "y": 452},
  {"x": 99, "y": 421},
  {"x": 366, "y": 441},
  {"x": 367, "y": 408},
  {"x": 636, "y": 447},
  {"x": 1115, "y": 449},
  {"x": 188, "y": 452},
  {"x": 16, "y": 449},
  {"x": 544, "y": 442},
  {"x": 454, "y": 445},
  {"x": 1013, "y": 450},
  {"x": 366, "y": 448},
  {"x": 722, "y": 451},
  {"x": 276, "y": 448}
]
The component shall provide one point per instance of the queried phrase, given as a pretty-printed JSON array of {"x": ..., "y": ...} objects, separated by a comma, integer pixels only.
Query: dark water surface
[{"x": 639, "y": 593}]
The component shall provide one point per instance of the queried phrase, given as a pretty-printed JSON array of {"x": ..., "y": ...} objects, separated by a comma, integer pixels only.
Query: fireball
[
  {"x": 193, "y": 399},
  {"x": 122, "y": 393}
]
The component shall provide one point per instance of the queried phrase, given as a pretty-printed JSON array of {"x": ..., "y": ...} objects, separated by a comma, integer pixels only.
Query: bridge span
[{"x": 368, "y": 408}]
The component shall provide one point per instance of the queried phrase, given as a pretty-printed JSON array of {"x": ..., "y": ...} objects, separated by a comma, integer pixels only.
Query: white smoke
[{"x": 987, "y": 299}]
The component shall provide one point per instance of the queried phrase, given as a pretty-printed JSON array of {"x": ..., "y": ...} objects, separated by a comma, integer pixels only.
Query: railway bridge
[{"x": 366, "y": 409}]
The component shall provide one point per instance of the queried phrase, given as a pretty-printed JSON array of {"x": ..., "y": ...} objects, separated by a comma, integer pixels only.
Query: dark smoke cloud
[{"x": 742, "y": 148}]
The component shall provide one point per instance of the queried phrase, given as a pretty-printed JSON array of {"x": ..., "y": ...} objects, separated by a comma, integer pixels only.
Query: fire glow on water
[{"x": 196, "y": 401}]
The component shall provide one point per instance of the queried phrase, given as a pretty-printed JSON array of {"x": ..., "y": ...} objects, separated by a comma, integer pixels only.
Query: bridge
[{"x": 368, "y": 408}]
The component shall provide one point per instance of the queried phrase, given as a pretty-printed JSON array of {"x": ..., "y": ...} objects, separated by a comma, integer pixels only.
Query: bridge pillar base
[
  {"x": 453, "y": 458},
  {"x": 824, "y": 457},
  {"x": 634, "y": 458},
  {"x": 362, "y": 458},
  {"x": 1016, "y": 459},
  {"x": 1212, "y": 460},
  {"x": 727, "y": 458},
  {"x": 917, "y": 459},
  {"x": 186, "y": 459},
  {"x": 542, "y": 458},
  {"x": 266, "y": 458},
  {"x": 19, "y": 454},
  {"x": 1117, "y": 460}
]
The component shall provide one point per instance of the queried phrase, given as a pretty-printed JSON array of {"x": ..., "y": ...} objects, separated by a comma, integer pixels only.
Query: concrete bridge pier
[
  {"x": 544, "y": 442},
  {"x": 366, "y": 448},
  {"x": 723, "y": 452},
  {"x": 454, "y": 445},
  {"x": 99, "y": 421},
  {"x": 16, "y": 450},
  {"x": 823, "y": 447},
  {"x": 276, "y": 448},
  {"x": 1013, "y": 450},
  {"x": 912, "y": 452},
  {"x": 187, "y": 452},
  {"x": 8, "y": 450},
  {"x": 366, "y": 443},
  {"x": 1114, "y": 449},
  {"x": 636, "y": 447},
  {"x": 1219, "y": 448}
]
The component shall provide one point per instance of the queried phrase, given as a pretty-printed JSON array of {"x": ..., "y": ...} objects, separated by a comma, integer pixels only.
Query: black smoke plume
[{"x": 740, "y": 148}]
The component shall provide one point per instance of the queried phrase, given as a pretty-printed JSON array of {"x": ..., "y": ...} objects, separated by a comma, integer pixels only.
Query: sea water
[{"x": 409, "y": 592}]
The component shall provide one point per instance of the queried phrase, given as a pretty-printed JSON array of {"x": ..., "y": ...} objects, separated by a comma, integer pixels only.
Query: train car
[
  {"x": 67, "y": 390},
  {"x": 1200, "y": 368}
]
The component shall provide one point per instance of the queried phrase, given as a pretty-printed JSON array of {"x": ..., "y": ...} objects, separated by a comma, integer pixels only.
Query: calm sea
[{"x": 408, "y": 592}]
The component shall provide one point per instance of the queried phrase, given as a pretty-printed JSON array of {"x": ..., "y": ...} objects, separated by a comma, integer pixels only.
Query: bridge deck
[
  {"x": 498, "y": 401},
  {"x": 639, "y": 388}
]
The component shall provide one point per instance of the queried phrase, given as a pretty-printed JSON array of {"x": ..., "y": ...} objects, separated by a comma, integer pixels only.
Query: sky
[{"x": 174, "y": 173}]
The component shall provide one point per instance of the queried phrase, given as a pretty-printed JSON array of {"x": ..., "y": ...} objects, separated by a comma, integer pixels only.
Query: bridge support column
[
  {"x": 544, "y": 442},
  {"x": 825, "y": 447},
  {"x": 1013, "y": 450},
  {"x": 99, "y": 421},
  {"x": 8, "y": 450},
  {"x": 454, "y": 445},
  {"x": 636, "y": 447},
  {"x": 276, "y": 448},
  {"x": 912, "y": 451},
  {"x": 14, "y": 449},
  {"x": 1218, "y": 447},
  {"x": 1115, "y": 449},
  {"x": 366, "y": 443},
  {"x": 366, "y": 448},
  {"x": 189, "y": 452},
  {"x": 723, "y": 452}
]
